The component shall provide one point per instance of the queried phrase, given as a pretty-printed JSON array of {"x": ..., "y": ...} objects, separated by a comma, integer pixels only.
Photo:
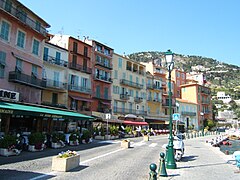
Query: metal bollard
[
  {"x": 162, "y": 172},
  {"x": 153, "y": 174}
]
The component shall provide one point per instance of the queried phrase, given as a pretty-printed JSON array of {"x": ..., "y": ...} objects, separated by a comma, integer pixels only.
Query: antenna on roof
[{"x": 85, "y": 38}]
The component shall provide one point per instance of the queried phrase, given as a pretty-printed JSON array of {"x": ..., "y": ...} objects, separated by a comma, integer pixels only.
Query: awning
[
  {"x": 81, "y": 98},
  {"x": 12, "y": 108},
  {"x": 135, "y": 123}
]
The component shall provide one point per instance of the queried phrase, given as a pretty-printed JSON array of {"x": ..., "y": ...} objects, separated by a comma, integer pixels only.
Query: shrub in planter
[
  {"x": 86, "y": 135},
  {"x": 36, "y": 139},
  {"x": 8, "y": 141},
  {"x": 58, "y": 137},
  {"x": 74, "y": 139}
]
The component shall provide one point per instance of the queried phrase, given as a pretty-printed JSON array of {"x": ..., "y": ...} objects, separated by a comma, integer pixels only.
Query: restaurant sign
[{"x": 9, "y": 95}]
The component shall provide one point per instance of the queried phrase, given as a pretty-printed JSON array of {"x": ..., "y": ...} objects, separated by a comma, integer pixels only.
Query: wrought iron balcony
[
  {"x": 125, "y": 96},
  {"x": 53, "y": 60},
  {"x": 103, "y": 97},
  {"x": 56, "y": 84},
  {"x": 17, "y": 13},
  {"x": 129, "y": 111},
  {"x": 104, "y": 64},
  {"x": 130, "y": 83},
  {"x": 25, "y": 79},
  {"x": 167, "y": 104},
  {"x": 81, "y": 89},
  {"x": 54, "y": 104},
  {"x": 188, "y": 113},
  {"x": 81, "y": 68},
  {"x": 138, "y": 99},
  {"x": 153, "y": 86},
  {"x": 103, "y": 78}
]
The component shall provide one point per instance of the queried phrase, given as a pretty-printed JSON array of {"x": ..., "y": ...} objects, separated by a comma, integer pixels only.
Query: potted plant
[
  {"x": 74, "y": 139},
  {"x": 8, "y": 146},
  {"x": 58, "y": 140},
  {"x": 65, "y": 161},
  {"x": 86, "y": 136},
  {"x": 101, "y": 133},
  {"x": 36, "y": 142}
]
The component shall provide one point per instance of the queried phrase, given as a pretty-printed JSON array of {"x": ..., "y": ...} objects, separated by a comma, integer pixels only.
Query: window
[
  {"x": 58, "y": 57},
  {"x": 38, "y": 26},
  {"x": 35, "y": 48},
  {"x": 2, "y": 63},
  {"x": 34, "y": 71},
  {"x": 75, "y": 47},
  {"x": 131, "y": 92},
  {"x": 143, "y": 83},
  {"x": 98, "y": 91},
  {"x": 18, "y": 65},
  {"x": 107, "y": 52},
  {"x": 124, "y": 75},
  {"x": 45, "y": 54},
  {"x": 21, "y": 39},
  {"x": 106, "y": 93},
  {"x": 99, "y": 48},
  {"x": 56, "y": 79},
  {"x": 137, "y": 80},
  {"x": 85, "y": 53},
  {"x": 73, "y": 81},
  {"x": 74, "y": 60},
  {"x": 115, "y": 74},
  {"x": 8, "y": 6},
  {"x": 5, "y": 30},
  {"x": 119, "y": 62}
]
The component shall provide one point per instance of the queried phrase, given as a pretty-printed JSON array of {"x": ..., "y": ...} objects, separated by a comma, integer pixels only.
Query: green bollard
[
  {"x": 191, "y": 135},
  {"x": 162, "y": 172},
  {"x": 195, "y": 135},
  {"x": 188, "y": 136},
  {"x": 153, "y": 174}
]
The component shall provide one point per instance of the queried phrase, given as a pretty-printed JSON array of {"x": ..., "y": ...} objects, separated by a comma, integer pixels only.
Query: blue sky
[{"x": 208, "y": 28}]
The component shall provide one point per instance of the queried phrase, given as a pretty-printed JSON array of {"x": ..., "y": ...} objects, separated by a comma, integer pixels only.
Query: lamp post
[{"x": 169, "y": 63}]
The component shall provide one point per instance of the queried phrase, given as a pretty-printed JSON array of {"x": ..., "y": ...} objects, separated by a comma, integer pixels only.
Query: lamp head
[{"x": 169, "y": 59}]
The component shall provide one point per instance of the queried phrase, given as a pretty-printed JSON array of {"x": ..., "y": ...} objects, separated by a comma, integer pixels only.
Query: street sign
[
  {"x": 176, "y": 116},
  {"x": 108, "y": 116}
]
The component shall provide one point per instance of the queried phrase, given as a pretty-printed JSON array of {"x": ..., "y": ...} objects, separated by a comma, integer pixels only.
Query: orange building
[
  {"x": 179, "y": 77},
  {"x": 202, "y": 96}
]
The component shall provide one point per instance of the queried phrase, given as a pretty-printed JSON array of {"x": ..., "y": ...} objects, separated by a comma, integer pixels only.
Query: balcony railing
[
  {"x": 153, "y": 86},
  {"x": 130, "y": 83},
  {"x": 80, "y": 68},
  {"x": 129, "y": 111},
  {"x": 53, "y": 60},
  {"x": 104, "y": 64},
  {"x": 54, "y": 104},
  {"x": 81, "y": 89},
  {"x": 125, "y": 96},
  {"x": 25, "y": 79},
  {"x": 138, "y": 99},
  {"x": 188, "y": 113},
  {"x": 17, "y": 13},
  {"x": 167, "y": 104},
  {"x": 56, "y": 84},
  {"x": 103, "y": 78}
]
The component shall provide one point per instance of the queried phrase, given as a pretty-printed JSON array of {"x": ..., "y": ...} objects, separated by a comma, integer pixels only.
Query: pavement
[{"x": 201, "y": 161}]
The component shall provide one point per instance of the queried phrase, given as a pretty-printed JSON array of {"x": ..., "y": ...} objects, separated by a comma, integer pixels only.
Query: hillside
[{"x": 223, "y": 76}]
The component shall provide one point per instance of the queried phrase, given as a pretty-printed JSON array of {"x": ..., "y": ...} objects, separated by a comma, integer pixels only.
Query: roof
[{"x": 185, "y": 101}]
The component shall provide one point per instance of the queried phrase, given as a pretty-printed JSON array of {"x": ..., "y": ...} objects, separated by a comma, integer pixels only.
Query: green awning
[{"x": 20, "y": 109}]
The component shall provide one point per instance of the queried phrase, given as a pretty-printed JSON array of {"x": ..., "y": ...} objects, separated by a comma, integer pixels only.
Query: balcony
[
  {"x": 17, "y": 13},
  {"x": 188, "y": 113},
  {"x": 124, "y": 96},
  {"x": 103, "y": 78},
  {"x": 130, "y": 83},
  {"x": 56, "y": 84},
  {"x": 81, "y": 89},
  {"x": 19, "y": 77},
  {"x": 138, "y": 99},
  {"x": 64, "y": 106},
  {"x": 207, "y": 92},
  {"x": 81, "y": 68},
  {"x": 103, "y": 63},
  {"x": 103, "y": 97},
  {"x": 166, "y": 104},
  {"x": 53, "y": 60},
  {"x": 129, "y": 111},
  {"x": 205, "y": 102},
  {"x": 153, "y": 86}
]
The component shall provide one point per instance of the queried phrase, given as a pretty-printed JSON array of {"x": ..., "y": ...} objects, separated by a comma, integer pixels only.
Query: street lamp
[{"x": 169, "y": 63}]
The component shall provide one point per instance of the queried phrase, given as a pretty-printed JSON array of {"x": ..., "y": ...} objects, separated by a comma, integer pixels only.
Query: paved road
[{"x": 107, "y": 160}]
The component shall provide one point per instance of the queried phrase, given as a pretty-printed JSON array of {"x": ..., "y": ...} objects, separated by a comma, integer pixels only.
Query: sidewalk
[{"x": 201, "y": 161}]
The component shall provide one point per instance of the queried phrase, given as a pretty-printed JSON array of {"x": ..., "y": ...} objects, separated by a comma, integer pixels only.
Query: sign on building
[
  {"x": 9, "y": 95},
  {"x": 176, "y": 116}
]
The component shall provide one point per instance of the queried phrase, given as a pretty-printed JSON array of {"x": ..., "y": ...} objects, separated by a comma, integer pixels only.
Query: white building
[{"x": 223, "y": 97}]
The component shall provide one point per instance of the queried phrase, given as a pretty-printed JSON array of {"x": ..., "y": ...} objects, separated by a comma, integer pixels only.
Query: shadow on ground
[
  {"x": 5, "y": 173},
  {"x": 188, "y": 158},
  {"x": 26, "y": 155}
]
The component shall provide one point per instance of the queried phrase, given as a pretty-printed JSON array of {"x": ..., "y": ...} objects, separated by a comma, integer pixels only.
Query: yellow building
[{"x": 129, "y": 89}]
